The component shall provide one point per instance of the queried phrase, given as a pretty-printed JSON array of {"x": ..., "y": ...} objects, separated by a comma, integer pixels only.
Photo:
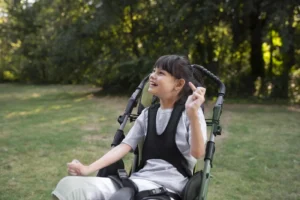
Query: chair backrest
[{"x": 146, "y": 98}]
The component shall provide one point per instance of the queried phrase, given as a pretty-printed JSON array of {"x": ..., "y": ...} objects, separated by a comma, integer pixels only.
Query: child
[{"x": 165, "y": 162}]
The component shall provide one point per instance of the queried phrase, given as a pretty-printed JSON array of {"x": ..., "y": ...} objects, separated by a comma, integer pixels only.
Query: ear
[{"x": 179, "y": 84}]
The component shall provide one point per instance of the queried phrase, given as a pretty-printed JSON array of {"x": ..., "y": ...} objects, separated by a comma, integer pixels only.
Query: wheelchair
[{"x": 197, "y": 186}]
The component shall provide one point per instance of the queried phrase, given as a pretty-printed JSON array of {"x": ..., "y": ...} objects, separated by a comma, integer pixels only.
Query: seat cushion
[
  {"x": 125, "y": 193},
  {"x": 192, "y": 188}
]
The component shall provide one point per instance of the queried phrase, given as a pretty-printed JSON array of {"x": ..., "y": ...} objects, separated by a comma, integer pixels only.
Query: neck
[{"x": 167, "y": 103}]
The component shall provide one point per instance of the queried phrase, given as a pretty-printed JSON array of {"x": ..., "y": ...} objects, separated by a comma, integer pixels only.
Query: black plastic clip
[
  {"x": 122, "y": 174},
  {"x": 157, "y": 191}
]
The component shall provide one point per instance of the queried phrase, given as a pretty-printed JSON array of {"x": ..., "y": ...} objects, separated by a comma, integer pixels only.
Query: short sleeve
[{"x": 137, "y": 133}]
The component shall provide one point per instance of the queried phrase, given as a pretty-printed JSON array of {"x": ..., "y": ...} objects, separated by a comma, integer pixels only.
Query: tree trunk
[
  {"x": 270, "y": 68},
  {"x": 256, "y": 56},
  {"x": 16, "y": 2},
  {"x": 288, "y": 55}
]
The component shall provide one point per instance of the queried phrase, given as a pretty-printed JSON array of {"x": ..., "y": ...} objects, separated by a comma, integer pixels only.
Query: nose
[{"x": 152, "y": 75}]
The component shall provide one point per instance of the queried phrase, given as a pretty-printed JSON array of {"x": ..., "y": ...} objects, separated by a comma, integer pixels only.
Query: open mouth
[{"x": 153, "y": 84}]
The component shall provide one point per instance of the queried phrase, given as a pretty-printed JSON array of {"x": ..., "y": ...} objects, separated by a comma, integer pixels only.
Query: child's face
[{"x": 162, "y": 84}]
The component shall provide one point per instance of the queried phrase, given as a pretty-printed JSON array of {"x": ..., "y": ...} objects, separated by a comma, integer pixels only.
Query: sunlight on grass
[
  {"x": 36, "y": 111},
  {"x": 71, "y": 120},
  {"x": 84, "y": 98},
  {"x": 23, "y": 113},
  {"x": 42, "y": 128},
  {"x": 58, "y": 107}
]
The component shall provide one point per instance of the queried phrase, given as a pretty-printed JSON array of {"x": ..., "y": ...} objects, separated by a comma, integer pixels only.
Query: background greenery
[
  {"x": 49, "y": 48},
  {"x": 253, "y": 45},
  {"x": 44, "y": 127}
]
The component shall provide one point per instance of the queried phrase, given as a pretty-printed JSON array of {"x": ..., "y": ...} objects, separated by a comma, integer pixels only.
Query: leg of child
[{"x": 78, "y": 188}]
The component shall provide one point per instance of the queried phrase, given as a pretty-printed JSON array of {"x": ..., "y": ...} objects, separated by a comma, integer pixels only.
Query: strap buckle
[
  {"x": 157, "y": 191},
  {"x": 122, "y": 174}
]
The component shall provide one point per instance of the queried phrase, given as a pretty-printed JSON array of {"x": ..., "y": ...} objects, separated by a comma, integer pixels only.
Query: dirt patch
[
  {"x": 294, "y": 108},
  {"x": 90, "y": 138},
  {"x": 90, "y": 128}
]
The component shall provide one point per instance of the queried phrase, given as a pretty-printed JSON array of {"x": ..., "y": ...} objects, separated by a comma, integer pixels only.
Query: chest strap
[
  {"x": 164, "y": 146},
  {"x": 160, "y": 193}
]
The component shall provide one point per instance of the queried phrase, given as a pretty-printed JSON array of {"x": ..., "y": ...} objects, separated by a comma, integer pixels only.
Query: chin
[{"x": 150, "y": 90}]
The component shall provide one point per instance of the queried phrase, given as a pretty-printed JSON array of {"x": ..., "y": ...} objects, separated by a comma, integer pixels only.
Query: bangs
[
  {"x": 171, "y": 64},
  {"x": 180, "y": 68}
]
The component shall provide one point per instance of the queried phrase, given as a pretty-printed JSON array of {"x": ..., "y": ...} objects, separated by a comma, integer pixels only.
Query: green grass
[
  {"x": 44, "y": 127},
  {"x": 259, "y": 157}
]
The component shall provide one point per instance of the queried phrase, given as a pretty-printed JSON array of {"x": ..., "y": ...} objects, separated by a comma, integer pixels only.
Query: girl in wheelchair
[{"x": 173, "y": 131}]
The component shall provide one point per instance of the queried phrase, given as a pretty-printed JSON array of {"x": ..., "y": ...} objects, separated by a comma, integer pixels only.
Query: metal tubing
[
  {"x": 215, "y": 124},
  {"x": 206, "y": 172},
  {"x": 213, "y": 77},
  {"x": 122, "y": 126}
]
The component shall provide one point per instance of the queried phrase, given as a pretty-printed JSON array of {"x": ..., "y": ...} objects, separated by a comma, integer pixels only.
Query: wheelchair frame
[{"x": 214, "y": 123}]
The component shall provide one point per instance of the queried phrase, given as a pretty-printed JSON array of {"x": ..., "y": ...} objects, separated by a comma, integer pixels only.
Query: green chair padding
[{"x": 146, "y": 97}]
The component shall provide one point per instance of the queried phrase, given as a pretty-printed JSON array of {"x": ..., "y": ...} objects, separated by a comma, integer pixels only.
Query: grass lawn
[{"x": 44, "y": 127}]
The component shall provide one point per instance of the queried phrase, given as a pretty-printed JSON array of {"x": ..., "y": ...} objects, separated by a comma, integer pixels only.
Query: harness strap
[
  {"x": 153, "y": 192},
  {"x": 174, "y": 196},
  {"x": 126, "y": 182},
  {"x": 156, "y": 192},
  {"x": 161, "y": 146},
  {"x": 116, "y": 180}
]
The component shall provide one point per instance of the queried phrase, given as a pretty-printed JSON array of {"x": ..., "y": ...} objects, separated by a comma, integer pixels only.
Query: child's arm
[
  {"x": 115, "y": 154},
  {"x": 192, "y": 105},
  {"x": 197, "y": 141}
]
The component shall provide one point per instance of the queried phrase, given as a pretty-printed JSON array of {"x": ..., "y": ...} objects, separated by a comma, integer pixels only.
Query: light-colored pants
[{"x": 93, "y": 188}]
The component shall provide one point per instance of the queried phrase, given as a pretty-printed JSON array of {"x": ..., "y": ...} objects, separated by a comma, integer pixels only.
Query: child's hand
[
  {"x": 75, "y": 168},
  {"x": 195, "y": 100}
]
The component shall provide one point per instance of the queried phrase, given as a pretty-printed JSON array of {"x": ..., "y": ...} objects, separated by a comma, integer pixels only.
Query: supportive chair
[{"x": 197, "y": 186}]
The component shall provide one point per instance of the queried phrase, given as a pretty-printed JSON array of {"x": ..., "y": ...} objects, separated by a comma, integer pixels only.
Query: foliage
[{"x": 251, "y": 45}]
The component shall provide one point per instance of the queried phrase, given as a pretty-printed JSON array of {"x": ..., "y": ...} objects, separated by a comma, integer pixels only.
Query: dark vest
[{"x": 164, "y": 146}]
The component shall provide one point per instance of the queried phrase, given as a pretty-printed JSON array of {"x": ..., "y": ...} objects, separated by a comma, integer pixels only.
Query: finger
[
  {"x": 72, "y": 173},
  {"x": 70, "y": 165},
  {"x": 192, "y": 86},
  {"x": 201, "y": 89},
  {"x": 189, "y": 99},
  {"x": 72, "y": 170},
  {"x": 196, "y": 96},
  {"x": 75, "y": 161}
]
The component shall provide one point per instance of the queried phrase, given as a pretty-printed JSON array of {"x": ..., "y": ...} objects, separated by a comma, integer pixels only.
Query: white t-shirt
[{"x": 157, "y": 170}]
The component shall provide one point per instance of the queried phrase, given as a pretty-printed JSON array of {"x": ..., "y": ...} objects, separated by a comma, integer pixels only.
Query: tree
[{"x": 251, "y": 45}]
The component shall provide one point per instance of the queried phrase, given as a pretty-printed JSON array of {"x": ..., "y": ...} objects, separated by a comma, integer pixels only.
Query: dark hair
[{"x": 180, "y": 67}]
